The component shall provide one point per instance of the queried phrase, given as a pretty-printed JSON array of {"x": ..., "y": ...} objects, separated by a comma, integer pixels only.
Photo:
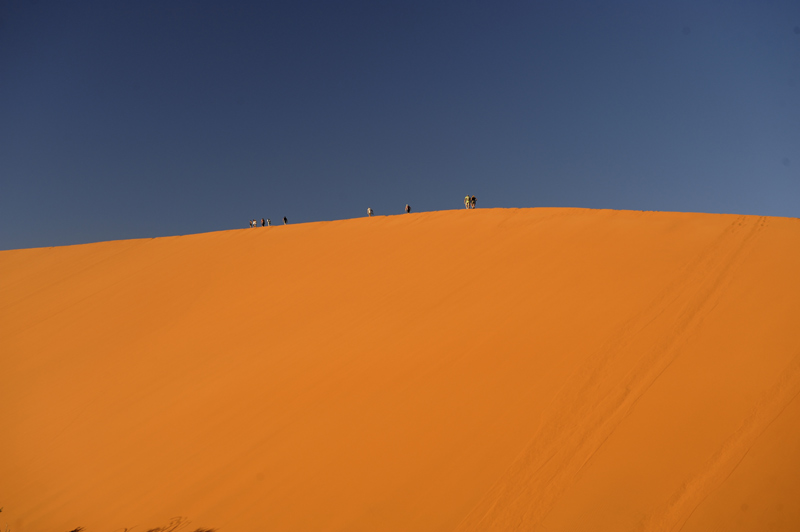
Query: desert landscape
[{"x": 544, "y": 369}]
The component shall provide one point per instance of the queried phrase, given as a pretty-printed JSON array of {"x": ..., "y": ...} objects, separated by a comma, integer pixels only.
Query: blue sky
[{"x": 140, "y": 119}]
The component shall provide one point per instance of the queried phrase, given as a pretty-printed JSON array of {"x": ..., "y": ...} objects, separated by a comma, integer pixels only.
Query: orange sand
[{"x": 496, "y": 369}]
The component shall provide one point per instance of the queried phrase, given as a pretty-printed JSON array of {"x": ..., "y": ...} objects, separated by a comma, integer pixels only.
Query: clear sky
[{"x": 140, "y": 119}]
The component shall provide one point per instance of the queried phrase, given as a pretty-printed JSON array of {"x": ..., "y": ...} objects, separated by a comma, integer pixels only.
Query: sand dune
[{"x": 495, "y": 369}]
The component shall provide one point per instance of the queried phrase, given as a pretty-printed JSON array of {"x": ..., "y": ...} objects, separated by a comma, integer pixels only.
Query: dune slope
[{"x": 495, "y": 369}]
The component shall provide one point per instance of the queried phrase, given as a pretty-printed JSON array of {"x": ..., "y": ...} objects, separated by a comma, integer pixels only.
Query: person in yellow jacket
[{"x": 466, "y": 202}]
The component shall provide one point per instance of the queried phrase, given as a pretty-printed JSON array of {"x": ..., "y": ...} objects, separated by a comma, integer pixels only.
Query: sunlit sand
[{"x": 471, "y": 370}]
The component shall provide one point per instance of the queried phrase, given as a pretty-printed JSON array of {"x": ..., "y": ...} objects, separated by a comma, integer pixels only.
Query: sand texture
[{"x": 489, "y": 370}]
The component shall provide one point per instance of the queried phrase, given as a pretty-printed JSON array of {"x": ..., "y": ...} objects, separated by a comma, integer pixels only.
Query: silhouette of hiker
[
  {"x": 369, "y": 211},
  {"x": 262, "y": 222},
  {"x": 472, "y": 202},
  {"x": 285, "y": 221},
  {"x": 467, "y": 202},
  {"x": 408, "y": 208}
]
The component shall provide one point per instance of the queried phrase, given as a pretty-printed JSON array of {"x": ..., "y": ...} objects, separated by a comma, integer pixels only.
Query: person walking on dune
[
  {"x": 408, "y": 208},
  {"x": 285, "y": 221},
  {"x": 369, "y": 211},
  {"x": 269, "y": 222},
  {"x": 472, "y": 202},
  {"x": 466, "y": 202},
  {"x": 263, "y": 223}
]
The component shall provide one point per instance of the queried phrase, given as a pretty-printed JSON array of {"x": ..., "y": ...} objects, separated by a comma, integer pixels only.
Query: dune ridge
[{"x": 495, "y": 369}]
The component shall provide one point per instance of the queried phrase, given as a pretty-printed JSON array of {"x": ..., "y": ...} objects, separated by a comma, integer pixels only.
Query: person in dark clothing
[
  {"x": 472, "y": 201},
  {"x": 408, "y": 208},
  {"x": 285, "y": 221},
  {"x": 263, "y": 223}
]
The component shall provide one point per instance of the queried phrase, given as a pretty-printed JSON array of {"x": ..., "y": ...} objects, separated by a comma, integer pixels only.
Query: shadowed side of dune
[{"x": 498, "y": 369}]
